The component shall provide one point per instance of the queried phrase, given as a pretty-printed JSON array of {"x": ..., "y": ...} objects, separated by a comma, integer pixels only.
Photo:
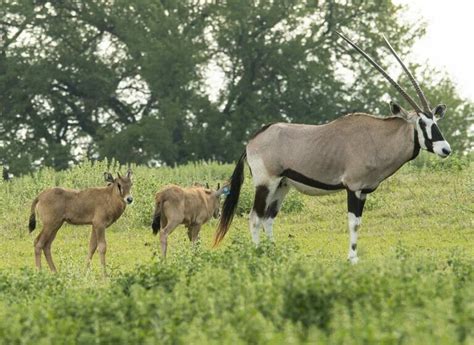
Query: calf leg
[
  {"x": 47, "y": 249},
  {"x": 164, "y": 233},
  {"x": 92, "y": 247},
  {"x": 39, "y": 244},
  {"x": 42, "y": 240},
  {"x": 195, "y": 232},
  {"x": 190, "y": 233},
  {"x": 355, "y": 206},
  {"x": 101, "y": 245}
]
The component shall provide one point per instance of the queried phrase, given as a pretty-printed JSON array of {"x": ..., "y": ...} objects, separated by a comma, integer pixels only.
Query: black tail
[
  {"x": 32, "y": 223},
  {"x": 156, "y": 223},
  {"x": 230, "y": 203}
]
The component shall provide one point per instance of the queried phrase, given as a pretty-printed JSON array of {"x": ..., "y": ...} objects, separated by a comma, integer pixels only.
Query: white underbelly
[{"x": 309, "y": 190}]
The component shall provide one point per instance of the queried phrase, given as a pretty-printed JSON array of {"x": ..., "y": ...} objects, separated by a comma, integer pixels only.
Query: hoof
[{"x": 353, "y": 260}]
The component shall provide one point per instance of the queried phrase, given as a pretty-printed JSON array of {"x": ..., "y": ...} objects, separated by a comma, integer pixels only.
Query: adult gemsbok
[{"x": 355, "y": 152}]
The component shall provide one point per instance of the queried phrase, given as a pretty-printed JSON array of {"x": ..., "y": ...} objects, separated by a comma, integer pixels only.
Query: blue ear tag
[{"x": 226, "y": 191}]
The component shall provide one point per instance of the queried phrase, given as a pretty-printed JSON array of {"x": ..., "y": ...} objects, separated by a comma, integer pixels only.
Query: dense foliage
[
  {"x": 148, "y": 81},
  {"x": 413, "y": 285},
  {"x": 241, "y": 295}
]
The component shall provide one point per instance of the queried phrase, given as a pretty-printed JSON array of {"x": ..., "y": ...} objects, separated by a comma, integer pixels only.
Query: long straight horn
[
  {"x": 419, "y": 92},
  {"x": 380, "y": 69}
]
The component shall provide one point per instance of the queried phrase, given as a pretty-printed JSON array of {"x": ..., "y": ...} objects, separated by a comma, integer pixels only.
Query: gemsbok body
[
  {"x": 193, "y": 207},
  {"x": 354, "y": 153},
  {"x": 99, "y": 207}
]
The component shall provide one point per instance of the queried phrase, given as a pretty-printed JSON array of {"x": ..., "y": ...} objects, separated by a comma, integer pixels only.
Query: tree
[{"x": 129, "y": 79}]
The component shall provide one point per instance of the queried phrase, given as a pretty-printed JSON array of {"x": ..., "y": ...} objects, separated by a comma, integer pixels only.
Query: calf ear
[
  {"x": 108, "y": 177},
  {"x": 225, "y": 190}
]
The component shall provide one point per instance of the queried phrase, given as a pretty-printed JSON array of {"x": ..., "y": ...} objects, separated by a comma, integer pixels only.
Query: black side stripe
[{"x": 296, "y": 176}]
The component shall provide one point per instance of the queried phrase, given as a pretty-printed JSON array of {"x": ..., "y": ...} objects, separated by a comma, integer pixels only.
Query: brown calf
[
  {"x": 191, "y": 206},
  {"x": 99, "y": 207}
]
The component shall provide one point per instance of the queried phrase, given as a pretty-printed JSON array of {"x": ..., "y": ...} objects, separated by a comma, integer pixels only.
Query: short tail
[
  {"x": 32, "y": 223},
  {"x": 156, "y": 224},
  {"x": 230, "y": 203}
]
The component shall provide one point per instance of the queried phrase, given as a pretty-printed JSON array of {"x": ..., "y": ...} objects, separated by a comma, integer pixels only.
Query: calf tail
[
  {"x": 230, "y": 203},
  {"x": 32, "y": 223},
  {"x": 156, "y": 224}
]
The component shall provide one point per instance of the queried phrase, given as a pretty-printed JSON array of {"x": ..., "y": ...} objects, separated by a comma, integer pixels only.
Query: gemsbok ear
[
  {"x": 439, "y": 111},
  {"x": 397, "y": 110},
  {"x": 108, "y": 177}
]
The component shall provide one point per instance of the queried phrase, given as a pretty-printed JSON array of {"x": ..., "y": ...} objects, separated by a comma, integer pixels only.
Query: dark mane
[{"x": 261, "y": 130}]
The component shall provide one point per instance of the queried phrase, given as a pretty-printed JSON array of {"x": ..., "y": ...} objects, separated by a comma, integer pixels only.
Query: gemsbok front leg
[{"x": 355, "y": 206}]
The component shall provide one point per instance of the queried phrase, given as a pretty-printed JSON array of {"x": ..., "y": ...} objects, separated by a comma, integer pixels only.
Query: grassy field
[{"x": 414, "y": 283}]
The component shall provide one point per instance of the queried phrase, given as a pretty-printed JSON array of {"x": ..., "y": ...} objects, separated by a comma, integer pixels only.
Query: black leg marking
[
  {"x": 260, "y": 201},
  {"x": 354, "y": 204},
  {"x": 272, "y": 210}
]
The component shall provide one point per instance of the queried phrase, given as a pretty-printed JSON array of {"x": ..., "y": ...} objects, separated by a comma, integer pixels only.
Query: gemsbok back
[
  {"x": 354, "y": 153},
  {"x": 99, "y": 207}
]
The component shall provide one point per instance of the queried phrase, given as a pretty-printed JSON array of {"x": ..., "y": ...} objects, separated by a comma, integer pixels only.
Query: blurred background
[{"x": 167, "y": 82}]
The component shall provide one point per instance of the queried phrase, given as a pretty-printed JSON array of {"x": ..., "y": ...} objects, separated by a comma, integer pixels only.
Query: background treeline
[{"x": 148, "y": 81}]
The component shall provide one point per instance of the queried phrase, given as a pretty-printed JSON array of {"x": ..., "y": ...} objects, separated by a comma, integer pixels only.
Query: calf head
[
  {"x": 215, "y": 198},
  {"x": 122, "y": 185}
]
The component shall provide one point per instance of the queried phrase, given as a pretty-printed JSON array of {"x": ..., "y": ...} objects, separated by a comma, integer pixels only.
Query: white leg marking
[
  {"x": 354, "y": 224},
  {"x": 268, "y": 226},
  {"x": 360, "y": 195},
  {"x": 254, "y": 224}
]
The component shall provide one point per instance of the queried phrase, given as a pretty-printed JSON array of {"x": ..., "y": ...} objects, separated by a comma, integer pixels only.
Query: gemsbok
[
  {"x": 193, "y": 207},
  {"x": 99, "y": 207},
  {"x": 355, "y": 153}
]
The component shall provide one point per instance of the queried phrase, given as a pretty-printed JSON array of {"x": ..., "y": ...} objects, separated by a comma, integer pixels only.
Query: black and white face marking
[{"x": 430, "y": 137}]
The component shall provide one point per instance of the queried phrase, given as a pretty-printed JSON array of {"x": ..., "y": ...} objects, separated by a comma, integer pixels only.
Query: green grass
[{"x": 414, "y": 283}]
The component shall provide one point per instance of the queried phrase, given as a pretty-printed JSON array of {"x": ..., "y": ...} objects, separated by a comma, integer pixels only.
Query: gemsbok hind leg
[
  {"x": 274, "y": 203},
  {"x": 355, "y": 206},
  {"x": 258, "y": 212}
]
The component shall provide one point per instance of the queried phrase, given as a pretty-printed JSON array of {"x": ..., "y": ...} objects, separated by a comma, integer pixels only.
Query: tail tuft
[
  {"x": 156, "y": 224},
  {"x": 230, "y": 203},
  {"x": 32, "y": 223}
]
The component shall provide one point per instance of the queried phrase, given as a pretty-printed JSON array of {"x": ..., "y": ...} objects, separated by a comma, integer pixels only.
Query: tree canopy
[{"x": 165, "y": 82}]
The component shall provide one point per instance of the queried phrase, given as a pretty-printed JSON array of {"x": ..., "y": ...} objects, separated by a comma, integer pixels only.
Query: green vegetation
[{"x": 414, "y": 283}]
